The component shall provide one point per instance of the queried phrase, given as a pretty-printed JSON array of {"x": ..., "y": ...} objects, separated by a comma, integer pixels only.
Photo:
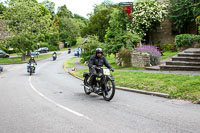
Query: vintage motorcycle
[
  {"x": 54, "y": 57},
  {"x": 104, "y": 84},
  {"x": 69, "y": 51},
  {"x": 31, "y": 68}
]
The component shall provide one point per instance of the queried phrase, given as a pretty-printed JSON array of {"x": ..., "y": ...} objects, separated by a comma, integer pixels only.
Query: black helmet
[{"x": 99, "y": 50}]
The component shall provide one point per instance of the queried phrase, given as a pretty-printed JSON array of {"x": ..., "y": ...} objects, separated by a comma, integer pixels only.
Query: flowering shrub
[
  {"x": 146, "y": 15},
  {"x": 152, "y": 51},
  {"x": 198, "y": 23}
]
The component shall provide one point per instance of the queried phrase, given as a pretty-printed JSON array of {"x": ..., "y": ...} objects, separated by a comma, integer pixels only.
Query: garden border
[{"x": 129, "y": 89}]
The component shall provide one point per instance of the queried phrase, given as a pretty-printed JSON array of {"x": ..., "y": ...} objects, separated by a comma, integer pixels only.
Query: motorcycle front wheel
[
  {"x": 31, "y": 71},
  {"x": 109, "y": 91},
  {"x": 87, "y": 91}
]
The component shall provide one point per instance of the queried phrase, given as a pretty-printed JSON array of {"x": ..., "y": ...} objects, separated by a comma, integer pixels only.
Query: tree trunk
[{"x": 23, "y": 58}]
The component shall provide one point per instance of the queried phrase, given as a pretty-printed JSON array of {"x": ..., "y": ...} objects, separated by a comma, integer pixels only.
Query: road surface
[{"x": 52, "y": 101}]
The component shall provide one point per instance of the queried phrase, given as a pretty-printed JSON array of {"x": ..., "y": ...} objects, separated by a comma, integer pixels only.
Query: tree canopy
[
  {"x": 50, "y": 6},
  {"x": 26, "y": 24},
  {"x": 182, "y": 12}
]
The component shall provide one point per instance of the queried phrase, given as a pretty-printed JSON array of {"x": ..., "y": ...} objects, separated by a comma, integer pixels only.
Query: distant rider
[
  {"x": 31, "y": 60},
  {"x": 54, "y": 54}
]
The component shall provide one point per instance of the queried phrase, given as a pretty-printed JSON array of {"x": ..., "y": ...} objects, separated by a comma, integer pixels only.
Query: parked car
[
  {"x": 3, "y": 54},
  {"x": 77, "y": 52},
  {"x": 35, "y": 53},
  {"x": 43, "y": 50}
]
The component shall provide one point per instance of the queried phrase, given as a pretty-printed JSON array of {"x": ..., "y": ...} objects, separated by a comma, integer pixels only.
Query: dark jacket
[
  {"x": 31, "y": 61},
  {"x": 98, "y": 61}
]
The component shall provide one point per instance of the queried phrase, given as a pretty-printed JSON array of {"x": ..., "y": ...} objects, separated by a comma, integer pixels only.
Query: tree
[
  {"x": 68, "y": 29},
  {"x": 99, "y": 20},
  {"x": 81, "y": 21},
  {"x": 98, "y": 24},
  {"x": 89, "y": 48},
  {"x": 64, "y": 12},
  {"x": 2, "y": 8},
  {"x": 182, "y": 12},
  {"x": 118, "y": 35},
  {"x": 50, "y": 6},
  {"x": 26, "y": 25}
]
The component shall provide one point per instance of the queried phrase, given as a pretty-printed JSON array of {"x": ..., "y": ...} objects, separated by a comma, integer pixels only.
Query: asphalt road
[{"x": 52, "y": 101}]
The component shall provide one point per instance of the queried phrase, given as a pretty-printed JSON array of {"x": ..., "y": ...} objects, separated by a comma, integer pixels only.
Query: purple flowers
[{"x": 152, "y": 51}]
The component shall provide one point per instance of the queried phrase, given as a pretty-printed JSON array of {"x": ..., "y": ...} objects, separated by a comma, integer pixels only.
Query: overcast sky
[{"x": 81, "y": 7}]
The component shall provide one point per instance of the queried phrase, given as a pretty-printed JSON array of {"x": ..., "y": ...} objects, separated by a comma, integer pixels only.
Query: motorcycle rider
[
  {"x": 69, "y": 50},
  {"x": 54, "y": 55},
  {"x": 97, "y": 60},
  {"x": 31, "y": 60}
]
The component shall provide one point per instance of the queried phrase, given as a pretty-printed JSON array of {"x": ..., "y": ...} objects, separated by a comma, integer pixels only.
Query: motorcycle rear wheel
[{"x": 109, "y": 91}]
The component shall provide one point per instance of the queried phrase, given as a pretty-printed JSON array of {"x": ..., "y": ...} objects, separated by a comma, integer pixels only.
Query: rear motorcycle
[{"x": 104, "y": 84}]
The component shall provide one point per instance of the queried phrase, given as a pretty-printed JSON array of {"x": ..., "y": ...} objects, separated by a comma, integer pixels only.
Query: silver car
[{"x": 3, "y": 54}]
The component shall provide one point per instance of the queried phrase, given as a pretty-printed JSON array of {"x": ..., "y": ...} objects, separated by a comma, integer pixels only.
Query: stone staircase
[{"x": 188, "y": 60}]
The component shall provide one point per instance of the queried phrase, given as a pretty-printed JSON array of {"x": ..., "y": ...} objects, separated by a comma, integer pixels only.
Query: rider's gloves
[{"x": 111, "y": 69}]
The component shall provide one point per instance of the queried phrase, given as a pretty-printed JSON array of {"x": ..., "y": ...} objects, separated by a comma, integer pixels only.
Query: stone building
[{"x": 164, "y": 33}]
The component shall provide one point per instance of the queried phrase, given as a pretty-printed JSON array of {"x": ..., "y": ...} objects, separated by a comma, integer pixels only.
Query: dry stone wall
[{"x": 139, "y": 60}]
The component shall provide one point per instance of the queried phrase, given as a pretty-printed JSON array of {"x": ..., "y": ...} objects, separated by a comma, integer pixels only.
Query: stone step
[
  {"x": 182, "y": 63},
  {"x": 179, "y": 68},
  {"x": 182, "y": 54},
  {"x": 192, "y": 50},
  {"x": 186, "y": 59}
]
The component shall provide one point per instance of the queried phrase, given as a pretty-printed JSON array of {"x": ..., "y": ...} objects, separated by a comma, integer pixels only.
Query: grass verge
[
  {"x": 69, "y": 62},
  {"x": 18, "y": 59},
  {"x": 177, "y": 86}
]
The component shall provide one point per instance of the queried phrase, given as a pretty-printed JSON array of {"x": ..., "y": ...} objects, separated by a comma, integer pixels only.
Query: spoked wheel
[
  {"x": 109, "y": 90},
  {"x": 87, "y": 91},
  {"x": 30, "y": 71}
]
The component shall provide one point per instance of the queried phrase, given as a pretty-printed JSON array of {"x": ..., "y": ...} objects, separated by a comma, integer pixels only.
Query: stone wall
[
  {"x": 139, "y": 60},
  {"x": 162, "y": 34}
]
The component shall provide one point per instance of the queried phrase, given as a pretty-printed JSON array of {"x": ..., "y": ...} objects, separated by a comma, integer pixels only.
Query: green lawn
[
  {"x": 168, "y": 54},
  {"x": 177, "y": 86},
  {"x": 69, "y": 62},
  {"x": 18, "y": 59}
]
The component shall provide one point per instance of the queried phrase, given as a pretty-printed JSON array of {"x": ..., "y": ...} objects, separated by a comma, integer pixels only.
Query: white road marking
[{"x": 57, "y": 104}]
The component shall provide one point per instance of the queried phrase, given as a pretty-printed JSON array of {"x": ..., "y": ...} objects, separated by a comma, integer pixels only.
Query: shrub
[
  {"x": 44, "y": 44},
  {"x": 186, "y": 40},
  {"x": 152, "y": 51},
  {"x": 169, "y": 47},
  {"x": 124, "y": 55},
  {"x": 53, "y": 48},
  {"x": 88, "y": 49},
  {"x": 146, "y": 15}
]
